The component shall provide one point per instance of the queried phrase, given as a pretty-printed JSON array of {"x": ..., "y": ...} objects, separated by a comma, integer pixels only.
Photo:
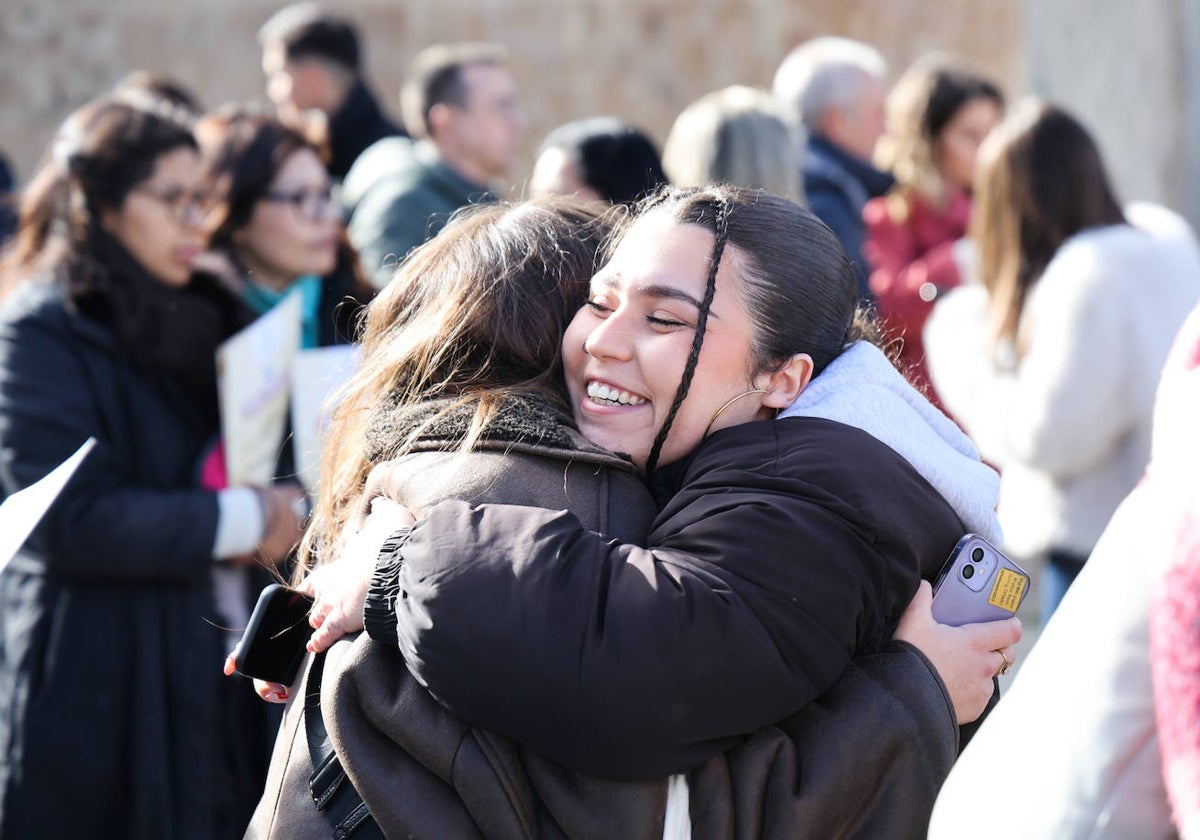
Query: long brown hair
[
  {"x": 1040, "y": 181},
  {"x": 476, "y": 315}
]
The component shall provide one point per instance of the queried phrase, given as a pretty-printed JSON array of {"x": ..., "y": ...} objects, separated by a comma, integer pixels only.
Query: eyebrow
[{"x": 655, "y": 290}]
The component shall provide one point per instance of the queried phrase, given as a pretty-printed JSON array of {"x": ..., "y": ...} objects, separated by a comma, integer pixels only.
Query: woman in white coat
[{"x": 1051, "y": 363}]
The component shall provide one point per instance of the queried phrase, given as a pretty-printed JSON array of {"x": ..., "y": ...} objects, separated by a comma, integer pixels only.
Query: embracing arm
[{"x": 624, "y": 661}]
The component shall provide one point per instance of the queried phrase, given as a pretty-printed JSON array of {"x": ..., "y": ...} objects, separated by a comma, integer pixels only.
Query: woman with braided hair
[{"x": 782, "y": 549}]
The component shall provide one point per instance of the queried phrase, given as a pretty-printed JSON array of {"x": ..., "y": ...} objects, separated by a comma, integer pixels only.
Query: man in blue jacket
[{"x": 836, "y": 88}]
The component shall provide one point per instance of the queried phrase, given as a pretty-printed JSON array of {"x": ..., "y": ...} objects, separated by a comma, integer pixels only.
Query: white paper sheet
[
  {"x": 21, "y": 512},
  {"x": 316, "y": 376},
  {"x": 254, "y": 369}
]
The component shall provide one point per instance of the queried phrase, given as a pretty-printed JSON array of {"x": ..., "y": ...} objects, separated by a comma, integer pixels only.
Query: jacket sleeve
[
  {"x": 1174, "y": 633},
  {"x": 391, "y": 220},
  {"x": 100, "y": 527},
  {"x": 626, "y": 662}
]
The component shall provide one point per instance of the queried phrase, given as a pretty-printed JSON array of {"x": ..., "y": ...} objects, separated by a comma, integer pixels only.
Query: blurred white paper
[
  {"x": 21, "y": 512},
  {"x": 253, "y": 376},
  {"x": 316, "y": 376}
]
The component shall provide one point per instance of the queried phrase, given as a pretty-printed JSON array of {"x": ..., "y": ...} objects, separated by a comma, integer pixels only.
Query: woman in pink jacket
[{"x": 938, "y": 114}]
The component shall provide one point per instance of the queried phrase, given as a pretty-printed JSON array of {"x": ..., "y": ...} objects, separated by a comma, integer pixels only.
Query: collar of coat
[{"x": 526, "y": 422}]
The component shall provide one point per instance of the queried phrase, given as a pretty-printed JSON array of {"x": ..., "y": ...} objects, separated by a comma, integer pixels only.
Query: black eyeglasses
[
  {"x": 181, "y": 205},
  {"x": 310, "y": 204}
]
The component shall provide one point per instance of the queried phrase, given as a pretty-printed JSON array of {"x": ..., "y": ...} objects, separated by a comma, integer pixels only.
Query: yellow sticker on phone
[{"x": 1006, "y": 591}]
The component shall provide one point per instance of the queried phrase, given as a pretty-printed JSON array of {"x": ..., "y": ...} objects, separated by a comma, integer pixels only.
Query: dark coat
[
  {"x": 540, "y": 463},
  {"x": 650, "y": 661},
  {"x": 838, "y": 186},
  {"x": 110, "y": 677},
  {"x": 357, "y": 124}
]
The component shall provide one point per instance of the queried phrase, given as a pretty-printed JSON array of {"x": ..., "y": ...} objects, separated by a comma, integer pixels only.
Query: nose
[{"x": 610, "y": 339}]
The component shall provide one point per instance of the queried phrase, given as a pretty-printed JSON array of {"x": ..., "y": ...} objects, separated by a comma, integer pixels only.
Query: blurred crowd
[{"x": 1011, "y": 286}]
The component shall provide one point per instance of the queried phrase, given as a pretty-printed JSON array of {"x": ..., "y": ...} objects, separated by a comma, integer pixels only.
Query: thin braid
[{"x": 721, "y": 228}]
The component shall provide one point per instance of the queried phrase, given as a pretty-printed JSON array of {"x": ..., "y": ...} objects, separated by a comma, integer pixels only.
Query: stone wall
[
  {"x": 641, "y": 59},
  {"x": 1129, "y": 71}
]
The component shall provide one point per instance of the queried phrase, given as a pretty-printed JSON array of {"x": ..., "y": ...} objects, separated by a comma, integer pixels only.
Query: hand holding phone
[
  {"x": 273, "y": 644},
  {"x": 979, "y": 582}
]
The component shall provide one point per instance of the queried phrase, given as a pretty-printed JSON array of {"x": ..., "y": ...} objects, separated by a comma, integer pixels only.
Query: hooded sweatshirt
[{"x": 861, "y": 388}]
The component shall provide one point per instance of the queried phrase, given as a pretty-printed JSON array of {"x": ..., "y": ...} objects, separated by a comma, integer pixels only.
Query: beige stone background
[
  {"x": 641, "y": 59},
  {"x": 1130, "y": 70}
]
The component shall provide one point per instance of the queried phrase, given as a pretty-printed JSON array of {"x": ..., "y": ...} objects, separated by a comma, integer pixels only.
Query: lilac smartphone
[{"x": 978, "y": 583}]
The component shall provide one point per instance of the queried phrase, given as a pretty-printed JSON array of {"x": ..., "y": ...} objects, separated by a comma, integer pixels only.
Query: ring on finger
[{"x": 1005, "y": 664}]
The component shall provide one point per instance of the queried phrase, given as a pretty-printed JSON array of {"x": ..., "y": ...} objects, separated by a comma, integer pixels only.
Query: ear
[
  {"x": 832, "y": 124},
  {"x": 786, "y": 384},
  {"x": 441, "y": 117},
  {"x": 108, "y": 219}
]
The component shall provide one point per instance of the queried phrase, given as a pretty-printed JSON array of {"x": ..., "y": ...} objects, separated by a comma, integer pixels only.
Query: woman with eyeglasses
[
  {"x": 273, "y": 224},
  {"x": 112, "y": 721}
]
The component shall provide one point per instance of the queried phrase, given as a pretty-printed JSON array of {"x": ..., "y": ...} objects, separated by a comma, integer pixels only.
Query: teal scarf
[{"x": 262, "y": 299}]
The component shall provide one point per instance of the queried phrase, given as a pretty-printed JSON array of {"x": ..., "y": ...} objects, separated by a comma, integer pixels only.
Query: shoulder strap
[{"x": 332, "y": 791}]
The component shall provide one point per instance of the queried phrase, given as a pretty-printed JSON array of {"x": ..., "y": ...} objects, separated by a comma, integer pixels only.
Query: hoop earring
[{"x": 729, "y": 403}]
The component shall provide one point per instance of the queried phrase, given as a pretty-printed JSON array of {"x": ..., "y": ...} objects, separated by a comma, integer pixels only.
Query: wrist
[{"x": 379, "y": 609}]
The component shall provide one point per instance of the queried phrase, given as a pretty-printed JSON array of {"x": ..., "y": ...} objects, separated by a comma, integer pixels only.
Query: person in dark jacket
[
  {"x": 113, "y": 723},
  {"x": 836, "y": 88},
  {"x": 312, "y": 59},
  {"x": 617, "y": 681}
]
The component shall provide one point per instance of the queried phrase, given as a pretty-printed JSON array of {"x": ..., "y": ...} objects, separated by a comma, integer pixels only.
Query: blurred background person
[
  {"x": 737, "y": 135},
  {"x": 8, "y": 201},
  {"x": 1097, "y": 737},
  {"x": 597, "y": 159},
  {"x": 937, "y": 115},
  {"x": 114, "y": 722},
  {"x": 272, "y": 231},
  {"x": 273, "y": 223},
  {"x": 461, "y": 104},
  {"x": 1052, "y": 362},
  {"x": 312, "y": 59},
  {"x": 165, "y": 87},
  {"x": 835, "y": 88}
]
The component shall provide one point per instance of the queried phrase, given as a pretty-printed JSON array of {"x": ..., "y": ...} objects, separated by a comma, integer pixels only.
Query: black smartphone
[
  {"x": 272, "y": 645},
  {"x": 979, "y": 582}
]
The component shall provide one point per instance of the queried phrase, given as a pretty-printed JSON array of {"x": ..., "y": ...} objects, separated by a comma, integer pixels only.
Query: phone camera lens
[
  {"x": 977, "y": 554},
  {"x": 968, "y": 572}
]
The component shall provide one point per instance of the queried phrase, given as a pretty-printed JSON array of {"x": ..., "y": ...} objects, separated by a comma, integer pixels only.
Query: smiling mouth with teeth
[{"x": 612, "y": 396}]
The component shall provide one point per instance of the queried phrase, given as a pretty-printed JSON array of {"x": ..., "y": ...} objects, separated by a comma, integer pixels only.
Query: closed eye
[{"x": 664, "y": 322}]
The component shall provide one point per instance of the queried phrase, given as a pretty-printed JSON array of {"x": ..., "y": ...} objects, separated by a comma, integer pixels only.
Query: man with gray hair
[{"x": 835, "y": 88}]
